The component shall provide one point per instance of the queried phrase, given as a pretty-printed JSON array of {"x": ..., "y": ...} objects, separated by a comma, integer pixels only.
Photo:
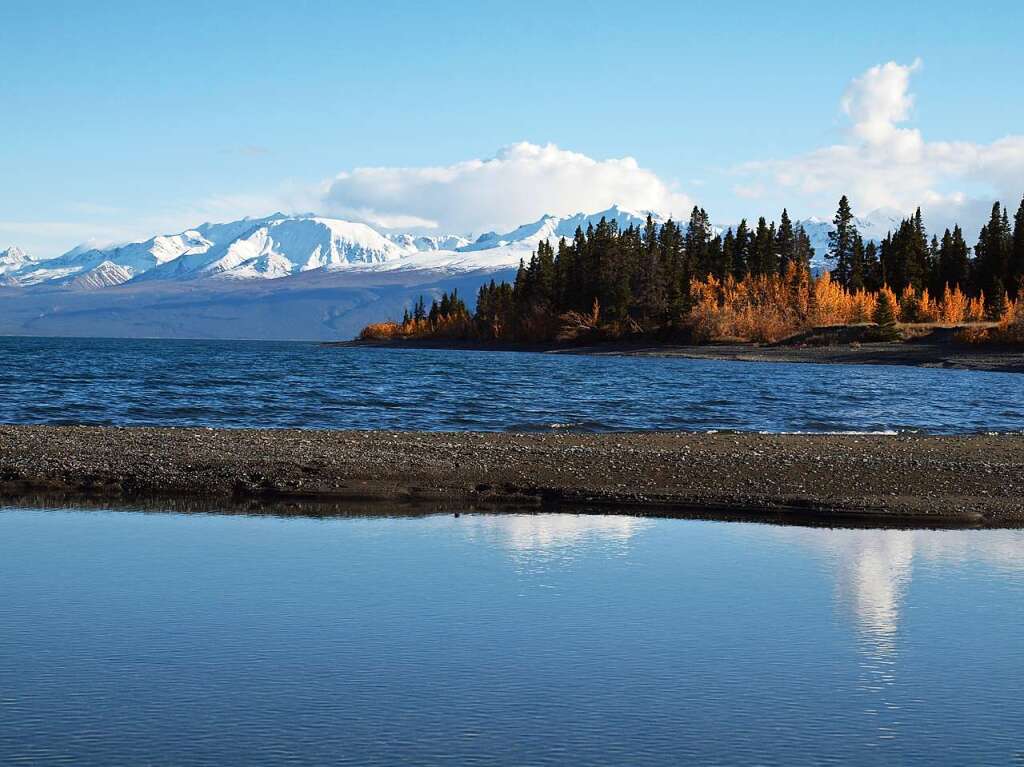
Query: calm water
[
  {"x": 130, "y": 638},
  {"x": 240, "y": 384}
]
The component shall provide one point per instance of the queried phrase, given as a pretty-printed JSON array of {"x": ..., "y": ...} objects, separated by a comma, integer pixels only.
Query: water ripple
[{"x": 249, "y": 384}]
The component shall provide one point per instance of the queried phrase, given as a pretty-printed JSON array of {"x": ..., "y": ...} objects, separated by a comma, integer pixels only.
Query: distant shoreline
[
  {"x": 938, "y": 349},
  {"x": 862, "y": 480}
]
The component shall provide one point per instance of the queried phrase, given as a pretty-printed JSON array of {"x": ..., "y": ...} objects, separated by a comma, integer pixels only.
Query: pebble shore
[{"x": 917, "y": 480}]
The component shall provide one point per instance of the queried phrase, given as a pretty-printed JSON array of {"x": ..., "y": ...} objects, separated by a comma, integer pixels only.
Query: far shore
[
  {"x": 936, "y": 349},
  {"x": 863, "y": 480}
]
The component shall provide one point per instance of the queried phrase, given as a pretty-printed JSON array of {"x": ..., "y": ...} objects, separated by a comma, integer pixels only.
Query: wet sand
[{"x": 970, "y": 481}]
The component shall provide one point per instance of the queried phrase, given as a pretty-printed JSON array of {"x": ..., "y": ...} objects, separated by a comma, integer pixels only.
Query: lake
[
  {"x": 132, "y": 638},
  {"x": 259, "y": 384}
]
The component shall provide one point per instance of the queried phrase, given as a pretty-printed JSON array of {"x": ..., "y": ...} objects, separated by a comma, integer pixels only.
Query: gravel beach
[
  {"x": 905, "y": 480},
  {"x": 935, "y": 350}
]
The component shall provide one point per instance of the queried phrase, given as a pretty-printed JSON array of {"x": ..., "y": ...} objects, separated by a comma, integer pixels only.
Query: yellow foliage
[
  {"x": 769, "y": 308},
  {"x": 830, "y": 303},
  {"x": 975, "y": 309},
  {"x": 380, "y": 331},
  {"x": 928, "y": 310},
  {"x": 954, "y": 306}
]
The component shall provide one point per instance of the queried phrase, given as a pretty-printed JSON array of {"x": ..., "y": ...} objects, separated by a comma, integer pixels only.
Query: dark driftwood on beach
[{"x": 976, "y": 480}]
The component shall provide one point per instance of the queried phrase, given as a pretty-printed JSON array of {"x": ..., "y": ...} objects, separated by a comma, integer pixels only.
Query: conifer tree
[
  {"x": 741, "y": 251},
  {"x": 804, "y": 251},
  {"x": 885, "y": 313},
  {"x": 917, "y": 255},
  {"x": 935, "y": 284},
  {"x": 675, "y": 268},
  {"x": 727, "y": 256},
  {"x": 842, "y": 241},
  {"x": 992, "y": 257},
  {"x": 763, "y": 257},
  {"x": 872, "y": 267},
  {"x": 697, "y": 240},
  {"x": 785, "y": 242},
  {"x": 651, "y": 283},
  {"x": 955, "y": 261},
  {"x": 1016, "y": 269}
]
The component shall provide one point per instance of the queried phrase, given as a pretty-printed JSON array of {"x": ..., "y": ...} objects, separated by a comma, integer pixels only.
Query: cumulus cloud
[
  {"x": 520, "y": 183},
  {"x": 883, "y": 164}
]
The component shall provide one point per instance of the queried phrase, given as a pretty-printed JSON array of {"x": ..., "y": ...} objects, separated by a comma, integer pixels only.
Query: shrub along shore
[{"x": 823, "y": 479}]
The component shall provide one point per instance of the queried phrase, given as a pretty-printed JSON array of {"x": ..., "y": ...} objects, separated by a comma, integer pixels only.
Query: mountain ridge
[{"x": 282, "y": 246}]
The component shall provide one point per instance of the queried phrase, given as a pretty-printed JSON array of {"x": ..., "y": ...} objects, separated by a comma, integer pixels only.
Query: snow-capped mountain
[
  {"x": 13, "y": 259},
  {"x": 133, "y": 258},
  {"x": 549, "y": 227},
  {"x": 282, "y": 246},
  {"x": 410, "y": 242},
  {"x": 105, "y": 275}
]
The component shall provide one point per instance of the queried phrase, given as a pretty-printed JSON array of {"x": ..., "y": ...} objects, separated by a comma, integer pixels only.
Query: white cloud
[
  {"x": 519, "y": 184},
  {"x": 885, "y": 165}
]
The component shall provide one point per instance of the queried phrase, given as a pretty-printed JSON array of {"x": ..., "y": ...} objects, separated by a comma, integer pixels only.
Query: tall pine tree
[
  {"x": 1016, "y": 270},
  {"x": 841, "y": 242}
]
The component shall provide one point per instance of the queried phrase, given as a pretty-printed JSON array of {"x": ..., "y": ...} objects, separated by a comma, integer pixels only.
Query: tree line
[
  {"x": 906, "y": 257},
  {"x": 661, "y": 279}
]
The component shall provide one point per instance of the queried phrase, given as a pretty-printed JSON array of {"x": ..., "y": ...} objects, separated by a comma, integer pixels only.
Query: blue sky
[{"x": 131, "y": 118}]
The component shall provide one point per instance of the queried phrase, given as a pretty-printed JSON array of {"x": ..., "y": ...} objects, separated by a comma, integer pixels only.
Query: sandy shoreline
[{"x": 913, "y": 480}]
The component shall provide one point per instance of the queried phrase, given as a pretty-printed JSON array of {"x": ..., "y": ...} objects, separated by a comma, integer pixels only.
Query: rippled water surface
[
  {"x": 251, "y": 384},
  {"x": 161, "y": 638}
]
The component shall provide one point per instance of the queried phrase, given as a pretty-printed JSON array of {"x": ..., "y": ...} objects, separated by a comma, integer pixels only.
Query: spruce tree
[
  {"x": 855, "y": 280},
  {"x": 841, "y": 242},
  {"x": 918, "y": 259},
  {"x": 675, "y": 267},
  {"x": 1016, "y": 270},
  {"x": 741, "y": 251},
  {"x": 872, "y": 267},
  {"x": 804, "y": 251},
  {"x": 992, "y": 257},
  {"x": 651, "y": 276},
  {"x": 785, "y": 242},
  {"x": 885, "y": 314},
  {"x": 727, "y": 256},
  {"x": 697, "y": 240},
  {"x": 763, "y": 258}
]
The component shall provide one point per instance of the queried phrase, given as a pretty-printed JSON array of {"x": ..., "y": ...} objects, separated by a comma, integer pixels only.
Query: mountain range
[{"x": 277, "y": 277}]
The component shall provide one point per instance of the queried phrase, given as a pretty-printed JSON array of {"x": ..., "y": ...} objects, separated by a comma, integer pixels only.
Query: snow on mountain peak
[
  {"x": 279, "y": 246},
  {"x": 13, "y": 258}
]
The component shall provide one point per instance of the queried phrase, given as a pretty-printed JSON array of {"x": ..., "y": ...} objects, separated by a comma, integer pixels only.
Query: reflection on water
[
  {"x": 874, "y": 568},
  {"x": 873, "y": 572},
  {"x": 201, "y": 638},
  {"x": 539, "y": 540}
]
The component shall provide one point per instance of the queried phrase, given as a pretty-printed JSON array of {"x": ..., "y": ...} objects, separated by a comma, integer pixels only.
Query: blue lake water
[
  {"x": 254, "y": 384},
  {"x": 164, "y": 638}
]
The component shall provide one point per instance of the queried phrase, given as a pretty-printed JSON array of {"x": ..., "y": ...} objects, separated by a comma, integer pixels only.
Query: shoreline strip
[{"x": 911, "y": 480}]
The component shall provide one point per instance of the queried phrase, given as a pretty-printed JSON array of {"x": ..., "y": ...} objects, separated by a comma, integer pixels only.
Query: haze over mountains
[{"x": 279, "y": 277}]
